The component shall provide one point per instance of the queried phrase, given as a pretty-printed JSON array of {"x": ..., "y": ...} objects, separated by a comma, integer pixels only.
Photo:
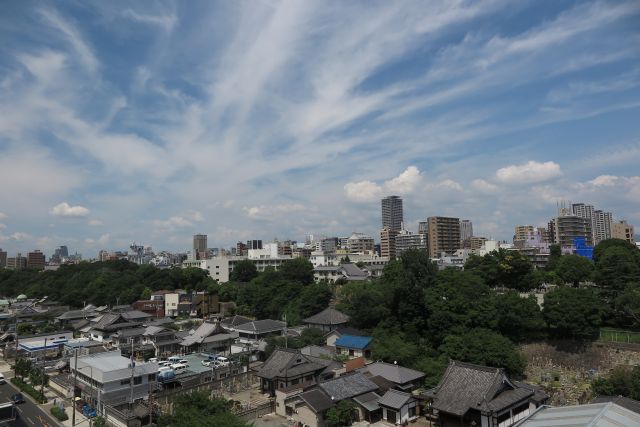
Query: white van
[
  {"x": 223, "y": 361},
  {"x": 174, "y": 359},
  {"x": 179, "y": 368}
]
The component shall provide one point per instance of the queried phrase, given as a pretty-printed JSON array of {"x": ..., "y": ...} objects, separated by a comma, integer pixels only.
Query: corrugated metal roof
[
  {"x": 352, "y": 341},
  {"x": 594, "y": 415}
]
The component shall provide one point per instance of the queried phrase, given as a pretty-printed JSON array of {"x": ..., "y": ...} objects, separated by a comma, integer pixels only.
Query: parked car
[
  {"x": 153, "y": 359},
  {"x": 223, "y": 361},
  {"x": 206, "y": 363},
  {"x": 17, "y": 398},
  {"x": 2, "y": 380}
]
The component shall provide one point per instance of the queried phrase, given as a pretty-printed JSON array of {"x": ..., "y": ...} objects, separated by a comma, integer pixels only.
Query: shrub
[
  {"x": 59, "y": 414},
  {"x": 28, "y": 388}
]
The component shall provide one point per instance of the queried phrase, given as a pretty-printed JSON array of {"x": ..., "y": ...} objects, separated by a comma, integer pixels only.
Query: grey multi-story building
[
  {"x": 392, "y": 215},
  {"x": 406, "y": 240},
  {"x": 3, "y": 258},
  {"x": 444, "y": 235},
  {"x": 199, "y": 245},
  {"x": 466, "y": 230},
  {"x": 600, "y": 220},
  {"x": 565, "y": 228}
]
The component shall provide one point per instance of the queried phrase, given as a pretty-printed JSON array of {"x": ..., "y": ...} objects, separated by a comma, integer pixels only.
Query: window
[
  {"x": 152, "y": 377},
  {"x": 137, "y": 380},
  {"x": 125, "y": 382}
]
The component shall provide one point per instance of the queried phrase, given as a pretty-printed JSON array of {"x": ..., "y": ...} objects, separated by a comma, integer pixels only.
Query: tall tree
[
  {"x": 574, "y": 313},
  {"x": 244, "y": 271},
  {"x": 574, "y": 269}
]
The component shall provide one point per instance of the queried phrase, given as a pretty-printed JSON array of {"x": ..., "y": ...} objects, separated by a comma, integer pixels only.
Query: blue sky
[{"x": 152, "y": 121}]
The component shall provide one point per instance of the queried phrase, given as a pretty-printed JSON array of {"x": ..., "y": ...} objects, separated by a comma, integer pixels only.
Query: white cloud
[
  {"x": 95, "y": 223},
  {"x": 484, "y": 186},
  {"x": 64, "y": 209},
  {"x": 3, "y": 216},
  {"x": 165, "y": 21},
  {"x": 19, "y": 236},
  {"x": 405, "y": 183},
  {"x": 604, "y": 181},
  {"x": 530, "y": 172},
  {"x": 2, "y": 226},
  {"x": 189, "y": 219},
  {"x": 363, "y": 191},
  {"x": 270, "y": 211},
  {"x": 450, "y": 184},
  {"x": 101, "y": 241}
]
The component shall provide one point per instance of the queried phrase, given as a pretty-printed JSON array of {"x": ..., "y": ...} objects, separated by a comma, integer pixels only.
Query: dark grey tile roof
[
  {"x": 352, "y": 271},
  {"x": 395, "y": 373},
  {"x": 594, "y": 415},
  {"x": 235, "y": 320},
  {"x": 465, "y": 385},
  {"x": 394, "y": 399},
  {"x": 77, "y": 314},
  {"x": 368, "y": 401},
  {"x": 317, "y": 400},
  {"x": 347, "y": 386},
  {"x": 328, "y": 316},
  {"x": 259, "y": 326},
  {"x": 131, "y": 332},
  {"x": 288, "y": 363},
  {"x": 134, "y": 315},
  {"x": 625, "y": 402}
]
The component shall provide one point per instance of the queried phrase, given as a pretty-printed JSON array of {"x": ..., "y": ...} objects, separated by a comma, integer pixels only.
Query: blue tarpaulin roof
[{"x": 352, "y": 341}]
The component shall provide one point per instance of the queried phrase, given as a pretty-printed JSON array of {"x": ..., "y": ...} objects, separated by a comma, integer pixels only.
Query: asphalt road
[{"x": 29, "y": 413}]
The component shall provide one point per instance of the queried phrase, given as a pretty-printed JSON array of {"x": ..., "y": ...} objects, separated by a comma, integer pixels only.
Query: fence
[
  {"x": 256, "y": 412},
  {"x": 619, "y": 336}
]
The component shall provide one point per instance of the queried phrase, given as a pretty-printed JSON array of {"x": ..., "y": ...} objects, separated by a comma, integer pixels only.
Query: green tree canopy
[
  {"x": 574, "y": 269},
  {"x": 616, "y": 267},
  {"x": 298, "y": 270},
  {"x": 198, "y": 410},
  {"x": 244, "y": 271},
  {"x": 574, "y": 313},
  {"x": 519, "y": 319},
  {"x": 485, "y": 347}
]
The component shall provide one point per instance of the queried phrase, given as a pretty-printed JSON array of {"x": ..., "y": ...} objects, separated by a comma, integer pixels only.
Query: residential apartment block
[
  {"x": 444, "y": 235},
  {"x": 623, "y": 230},
  {"x": 392, "y": 214}
]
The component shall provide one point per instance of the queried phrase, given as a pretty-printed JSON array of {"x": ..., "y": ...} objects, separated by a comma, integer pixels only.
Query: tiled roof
[
  {"x": 465, "y": 386},
  {"x": 328, "y": 316},
  {"x": 347, "y": 386},
  {"x": 392, "y": 372},
  {"x": 394, "y": 399},
  {"x": 317, "y": 400},
  {"x": 259, "y": 326},
  {"x": 235, "y": 320},
  {"x": 351, "y": 341},
  {"x": 288, "y": 363},
  {"x": 205, "y": 330},
  {"x": 369, "y": 401}
]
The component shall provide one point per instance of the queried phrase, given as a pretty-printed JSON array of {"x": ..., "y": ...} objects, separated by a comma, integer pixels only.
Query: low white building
[{"x": 110, "y": 378}]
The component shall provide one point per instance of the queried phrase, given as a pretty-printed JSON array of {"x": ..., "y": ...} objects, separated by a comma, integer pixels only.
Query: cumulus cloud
[
  {"x": 450, "y": 185},
  {"x": 367, "y": 191},
  {"x": 604, "y": 181},
  {"x": 3, "y": 216},
  {"x": 484, "y": 186},
  {"x": 266, "y": 211},
  {"x": 64, "y": 209},
  {"x": 530, "y": 172},
  {"x": 186, "y": 220}
]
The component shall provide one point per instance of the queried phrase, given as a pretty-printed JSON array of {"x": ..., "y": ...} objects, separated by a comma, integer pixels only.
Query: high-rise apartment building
[
  {"x": 3, "y": 258},
  {"x": 444, "y": 235},
  {"x": 17, "y": 263},
  {"x": 621, "y": 230},
  {"x": 35, "y": 260},
  {"x": 600, "y": 220},
  {"x": 388, "y": 242},
  {"x": 200, "y": 246},
  {"x": 392, "y": 215},
  {"x": 360, "y": 243},
  {"x": 565, "y": 228},
  {"x": 474, "y": 243},
  {"x": 406, "y": 240},
  {"x": 254, "y": 244},
  {"x": 466, "y": 230}
]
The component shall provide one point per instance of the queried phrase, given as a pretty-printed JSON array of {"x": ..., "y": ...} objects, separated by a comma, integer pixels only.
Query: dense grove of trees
[
  {"x": 101, "y": 283},
  {"x": 418, "y": 316},
  {"x": 198, "y": 410}
]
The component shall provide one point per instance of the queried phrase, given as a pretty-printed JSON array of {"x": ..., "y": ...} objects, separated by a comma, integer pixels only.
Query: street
[{"x": 29, "y": 414}]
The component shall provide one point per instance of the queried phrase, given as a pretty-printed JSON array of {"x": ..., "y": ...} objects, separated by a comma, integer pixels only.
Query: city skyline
[{"x": 255, "y": 120}]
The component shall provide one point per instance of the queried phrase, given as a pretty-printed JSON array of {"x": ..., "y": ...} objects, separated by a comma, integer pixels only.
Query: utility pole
[
  {"x": 44, "y": 360},
  {"x": 132, "y": 363},
  {"x": 75, "y": 384}
]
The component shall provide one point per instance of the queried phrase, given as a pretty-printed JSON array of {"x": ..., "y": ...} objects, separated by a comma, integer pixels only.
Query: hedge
[
  {"x": 28, "y": 388},
  {"x": 59, "y": 414}
]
